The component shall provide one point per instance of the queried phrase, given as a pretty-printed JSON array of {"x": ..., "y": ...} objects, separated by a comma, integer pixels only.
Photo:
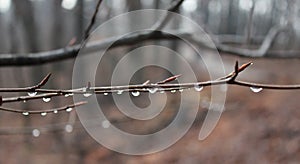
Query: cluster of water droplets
[
  {"x": 26, "y": 113},
  {"x": 69, "y": 94}
]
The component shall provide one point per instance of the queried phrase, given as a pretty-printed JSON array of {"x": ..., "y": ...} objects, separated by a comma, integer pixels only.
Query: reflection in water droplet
[
  {"x": 152, "y": 90},
  {"x": 87, "y": 94},
  {"x": 69, "y": 128},
  {"x": 46, "y": 99},
  {"x": 173, "y": 91},
  {"x": 43, "y": 113},
  {"x": 105, "y": 124},
  {"x": 255, "y": 89},
  {"x": 24, "y": 101},
  {"x": 25, "y": 113},
  {"x": 119, "y": 92},
  {"x": 135, "y": 93},
  {"x": 105, "y": 94},
  {"x": 36, "y": 133},
  {"x": 55, "y": 111},
  {"x": 32, "y": 94},
  {"x": 198, "y": 88}
]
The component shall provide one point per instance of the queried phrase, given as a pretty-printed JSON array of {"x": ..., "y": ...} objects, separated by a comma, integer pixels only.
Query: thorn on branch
[
  {"x": 146, "y": 82},
  {"x": 169, "y": 79}
]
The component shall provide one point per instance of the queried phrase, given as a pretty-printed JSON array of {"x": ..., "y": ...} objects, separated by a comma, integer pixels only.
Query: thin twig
[
  {"x": 92, "y": 22},
  {"x": 163, "y": 21},
  {"x": 28, "y": 89},
  {"x": 145, "y": 87},
  {"x": 27, "y": 112}
]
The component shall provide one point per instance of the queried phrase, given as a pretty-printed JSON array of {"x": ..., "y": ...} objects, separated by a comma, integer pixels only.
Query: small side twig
[
  {"x": 92, "y": 22},
  {"x": 163, "y": 21},
  {"x": 28, "y": 89},
  {"x": 54, "y": 110}
]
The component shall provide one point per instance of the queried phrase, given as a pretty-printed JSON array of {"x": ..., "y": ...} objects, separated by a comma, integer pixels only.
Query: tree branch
[
  {"x": 144, "y": 87},
  {"x": 54, "y": 110},
  {"x": 163, "y": 21},
  {"x": 92, "y": 22},
  {"x": 71, "y": 52}
]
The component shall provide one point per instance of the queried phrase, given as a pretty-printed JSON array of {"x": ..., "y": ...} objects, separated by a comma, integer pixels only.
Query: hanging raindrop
[
  {"x": 87, "y": 94},
  {"x": 67, "y": 95},
  {"x": 255, "y": 89},
  {"x": 135, "y": 93},
  {"x": 162, "y": 92},
  {"x": 69, "y": 109},
  {"x": 36, "y": 133},
  {"x": 152, "y": 90},
  {"x": 46, "y": 99},
  {"x": 25, "y": 113},
  {"x": 105, "y": 94},
  {"x": 119, "y": 92},
  {"x": 43, "y": 113},
  {"x": 31, "y": 94},
  {"x": 198, "y": 88},
  {"x": 55, "y": 111},
  {"x": 173, "y": 91},
  {"x": 180, "y": 90}
]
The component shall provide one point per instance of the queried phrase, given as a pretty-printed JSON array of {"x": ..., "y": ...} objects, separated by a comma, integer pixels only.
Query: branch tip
[{"x": 43, "y": 82}]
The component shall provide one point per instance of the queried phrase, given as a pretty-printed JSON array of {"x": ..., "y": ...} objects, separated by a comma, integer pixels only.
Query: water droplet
[
  {"x": 69, "y": 109},
  {"x": 31, "y": 94},
  {"x": 135, "y": 93},
  {"x": 25, "y": 113},
  {"x": 24, "y": 101},
  {"x": 105, "y": 94},
  {"x": 173, "y": 91},
  {"x": 46, "y": 99},
  {"x": 198, "y": 88},
  {"x": 180, "y": 90},
  {"x": 43, "y": 113},
  {"x": 87, "y": 94},
  {"x": 255, "y": 89},
  {"x": 162, "y": 92},
  {"x": 36, "y": 133},
  {"x": 105, "y": 124},
  {"x": 152, "y": 90},
  {"x": 68, "y": 128},
  {"x": 119, "y": 92},
  {"x": 55, "y": 111},
  {"x": 67, "y": 95}
]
